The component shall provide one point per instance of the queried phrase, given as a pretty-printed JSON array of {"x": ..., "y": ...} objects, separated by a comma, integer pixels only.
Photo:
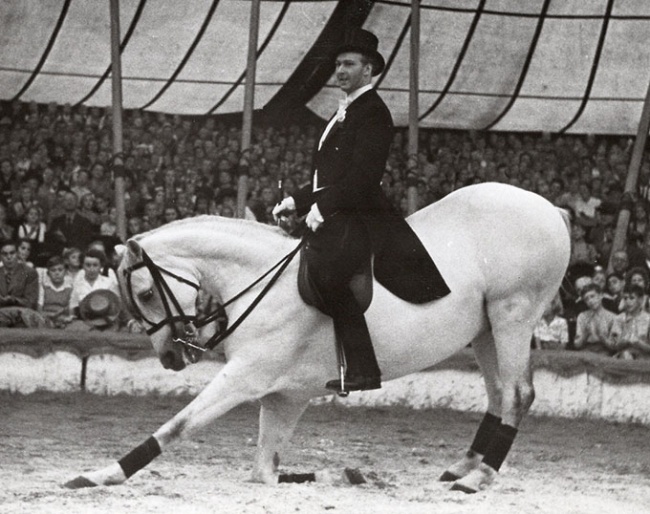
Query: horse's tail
[{"x": 566, "y": 217}]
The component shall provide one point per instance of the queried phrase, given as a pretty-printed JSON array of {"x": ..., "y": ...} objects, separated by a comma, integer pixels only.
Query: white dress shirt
[{"x": 340, "y": 115}]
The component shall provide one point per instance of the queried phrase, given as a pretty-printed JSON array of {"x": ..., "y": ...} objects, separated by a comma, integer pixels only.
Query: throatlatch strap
[
  {"x": 485, "y": 433},
  {"x": 140, "y": 456},
  {"x": 500, "y": 446}
]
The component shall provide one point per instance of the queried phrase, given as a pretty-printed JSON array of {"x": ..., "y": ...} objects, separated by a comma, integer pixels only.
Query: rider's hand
[
  {"x": 286, "y": 206},
  {"x": 314, "y": 219}
]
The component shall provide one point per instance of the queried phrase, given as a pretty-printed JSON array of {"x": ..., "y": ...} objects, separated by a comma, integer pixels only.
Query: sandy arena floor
[{"x": 556, "y": 466}]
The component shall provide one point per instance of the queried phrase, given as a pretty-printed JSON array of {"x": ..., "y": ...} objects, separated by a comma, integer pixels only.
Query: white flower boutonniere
[{"x": 340, "y": 113}]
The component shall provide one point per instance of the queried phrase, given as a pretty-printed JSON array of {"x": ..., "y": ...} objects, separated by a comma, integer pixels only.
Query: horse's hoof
[
  {"x": 448, "y": 476},
  {"x": 463, "y": 488},
  {"x": 79, "y": 483}
]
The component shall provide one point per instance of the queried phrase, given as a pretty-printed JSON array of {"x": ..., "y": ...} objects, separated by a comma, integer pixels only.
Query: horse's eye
[{"x": 145, "y": 296}]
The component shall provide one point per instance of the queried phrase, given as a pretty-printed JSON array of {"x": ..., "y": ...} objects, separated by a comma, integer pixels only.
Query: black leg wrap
[
  {"x": 500, "y": 446},
  {"x": 296, "y": 478},
  {"x": 485, "y": 432},
  {"x": 140, "y": 456}
]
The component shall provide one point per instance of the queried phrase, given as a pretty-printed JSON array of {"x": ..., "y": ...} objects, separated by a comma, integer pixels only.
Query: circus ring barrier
[{"x": 567, "y": 384}]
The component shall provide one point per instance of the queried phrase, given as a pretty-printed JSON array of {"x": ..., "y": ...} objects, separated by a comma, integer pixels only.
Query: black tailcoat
[{"x": 350, "y": 164}]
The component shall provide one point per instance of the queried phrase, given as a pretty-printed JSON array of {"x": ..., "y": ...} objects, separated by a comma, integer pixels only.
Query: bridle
[{"x": 191, "y": 323}]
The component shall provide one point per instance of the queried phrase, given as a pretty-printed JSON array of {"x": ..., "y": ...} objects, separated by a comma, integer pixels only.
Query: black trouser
[{"x": 335, "y": 253}]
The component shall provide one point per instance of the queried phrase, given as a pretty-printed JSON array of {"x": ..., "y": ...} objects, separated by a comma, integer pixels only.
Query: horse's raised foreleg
[
  {"x": 486, "y": 356},
  {"x": 512, "y": 330},
  {"x": 230, "y": 388},
  {"x": 278, "y": 418}
]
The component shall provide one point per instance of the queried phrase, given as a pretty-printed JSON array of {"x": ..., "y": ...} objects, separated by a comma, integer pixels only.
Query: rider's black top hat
[{"x": 366, "y": 43}]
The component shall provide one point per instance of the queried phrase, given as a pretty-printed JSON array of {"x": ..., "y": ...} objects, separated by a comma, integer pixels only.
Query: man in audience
[
  {"x": 18, "y": 290},
  {"x": 71, "y": 228}
]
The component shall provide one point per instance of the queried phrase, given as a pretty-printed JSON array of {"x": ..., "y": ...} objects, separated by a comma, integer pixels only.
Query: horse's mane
[{"x": 233, "y": 224}]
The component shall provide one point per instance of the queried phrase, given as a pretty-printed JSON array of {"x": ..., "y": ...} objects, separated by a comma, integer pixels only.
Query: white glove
[
  {"x": 314, "y": 219},
  {"x": 286, "y": 206}
]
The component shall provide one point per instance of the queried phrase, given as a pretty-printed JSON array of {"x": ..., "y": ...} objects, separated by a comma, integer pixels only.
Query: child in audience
[
  {"x": 54, "y": 293},
  {"x": 593, "y": 326},
  {"x": 552, "y": 331},
  {"x": 72, "y": 261},
  {"x": 639, "y": 276},
  {"x": 629, "y": 335},
  {"x": 613, "y": 293}
]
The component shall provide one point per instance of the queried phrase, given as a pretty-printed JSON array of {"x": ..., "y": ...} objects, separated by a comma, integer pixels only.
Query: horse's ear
[
  {"x": 120, "y": 251},
  {"x": 134, "y": 248}
]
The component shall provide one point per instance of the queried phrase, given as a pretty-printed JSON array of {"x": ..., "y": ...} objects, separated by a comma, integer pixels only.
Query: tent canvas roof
[{"x": 577, "y": 66}]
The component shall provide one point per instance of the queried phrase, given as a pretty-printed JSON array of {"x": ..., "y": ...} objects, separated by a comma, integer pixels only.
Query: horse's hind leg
[
  {"x": 512, "y": 330},
  {"x": 278, "y": 418},
  {"x": 486, "y": 356}
]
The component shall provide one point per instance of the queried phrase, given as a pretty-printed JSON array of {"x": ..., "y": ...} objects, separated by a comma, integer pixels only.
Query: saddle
[
  {"x": 406, "y": 270},
  {"x": 360, "y": 284}
]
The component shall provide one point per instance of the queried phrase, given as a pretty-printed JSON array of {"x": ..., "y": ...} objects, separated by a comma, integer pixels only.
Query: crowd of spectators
[{"x": 57, "y": 195}]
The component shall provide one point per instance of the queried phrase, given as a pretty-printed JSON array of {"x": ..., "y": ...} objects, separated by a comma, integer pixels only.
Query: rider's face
[{"x": 352, "y": 71}]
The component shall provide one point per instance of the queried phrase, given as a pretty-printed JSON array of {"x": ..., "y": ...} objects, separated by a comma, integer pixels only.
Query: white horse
[{"x": 502, "y": 251}]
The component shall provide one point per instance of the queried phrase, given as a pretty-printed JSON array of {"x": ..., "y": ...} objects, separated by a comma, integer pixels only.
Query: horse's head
[{"x": 164, "y": 299}]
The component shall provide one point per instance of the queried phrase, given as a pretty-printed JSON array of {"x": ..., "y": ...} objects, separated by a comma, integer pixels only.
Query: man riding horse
[{"x": 349, "y": 217}]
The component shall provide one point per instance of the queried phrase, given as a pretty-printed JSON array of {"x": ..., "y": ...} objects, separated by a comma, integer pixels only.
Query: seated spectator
[
  {"x": 107, "y": 247},
  {"x": 133, "y": 226},
  {"x": 585, "y": 205},
  {"x": 620, "y": 262},
  {"x": 87, "y": 208},
  {"x": 639, "y": 276},
  {"x": 581, "y": 250},
  {"x": 599, "y": 277},
  {"x": 72, "y": 261},
  {"x": 91, "y": 279},
  {"x": 71, "y": 228},
  {"x": 25, "y": 252},
  {"x": 613, "y": 293},
  {"x": 54, "y": 293},
  {"x": 18, "y": 291},
  {"x": 32, "y": 227},
  {"x": 629, "y": 334},
  {"x": 594, "y": 325},
  {"x": 552, "y": 331}
]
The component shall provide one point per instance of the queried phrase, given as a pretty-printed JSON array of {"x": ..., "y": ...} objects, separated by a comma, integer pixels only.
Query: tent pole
[
  {"x": 116, "y": 89},
  {"x": 414, "y": 83},
  {"x": 249, "y": 101},
  {"x": 620, "y": 236}
]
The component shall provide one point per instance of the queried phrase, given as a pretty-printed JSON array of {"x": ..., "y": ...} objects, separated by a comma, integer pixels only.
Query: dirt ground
[{"x": 556, "y": 466}]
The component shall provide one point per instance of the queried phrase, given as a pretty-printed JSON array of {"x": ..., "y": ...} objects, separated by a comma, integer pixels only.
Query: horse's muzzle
[{"x": 172, "y": 360}]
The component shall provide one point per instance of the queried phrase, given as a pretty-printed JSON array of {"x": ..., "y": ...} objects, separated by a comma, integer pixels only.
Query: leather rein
[{"x": 192, "y": 323}]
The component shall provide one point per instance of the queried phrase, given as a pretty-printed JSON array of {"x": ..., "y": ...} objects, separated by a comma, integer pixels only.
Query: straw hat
[{"x": 100, "y": 308}]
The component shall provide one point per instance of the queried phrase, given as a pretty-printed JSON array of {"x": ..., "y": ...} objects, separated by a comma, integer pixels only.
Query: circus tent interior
[{"x": 576, "y": 66}]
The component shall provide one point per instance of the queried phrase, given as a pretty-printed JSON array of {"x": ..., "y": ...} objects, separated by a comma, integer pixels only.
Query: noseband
[{"x": 192, "y": 323}]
